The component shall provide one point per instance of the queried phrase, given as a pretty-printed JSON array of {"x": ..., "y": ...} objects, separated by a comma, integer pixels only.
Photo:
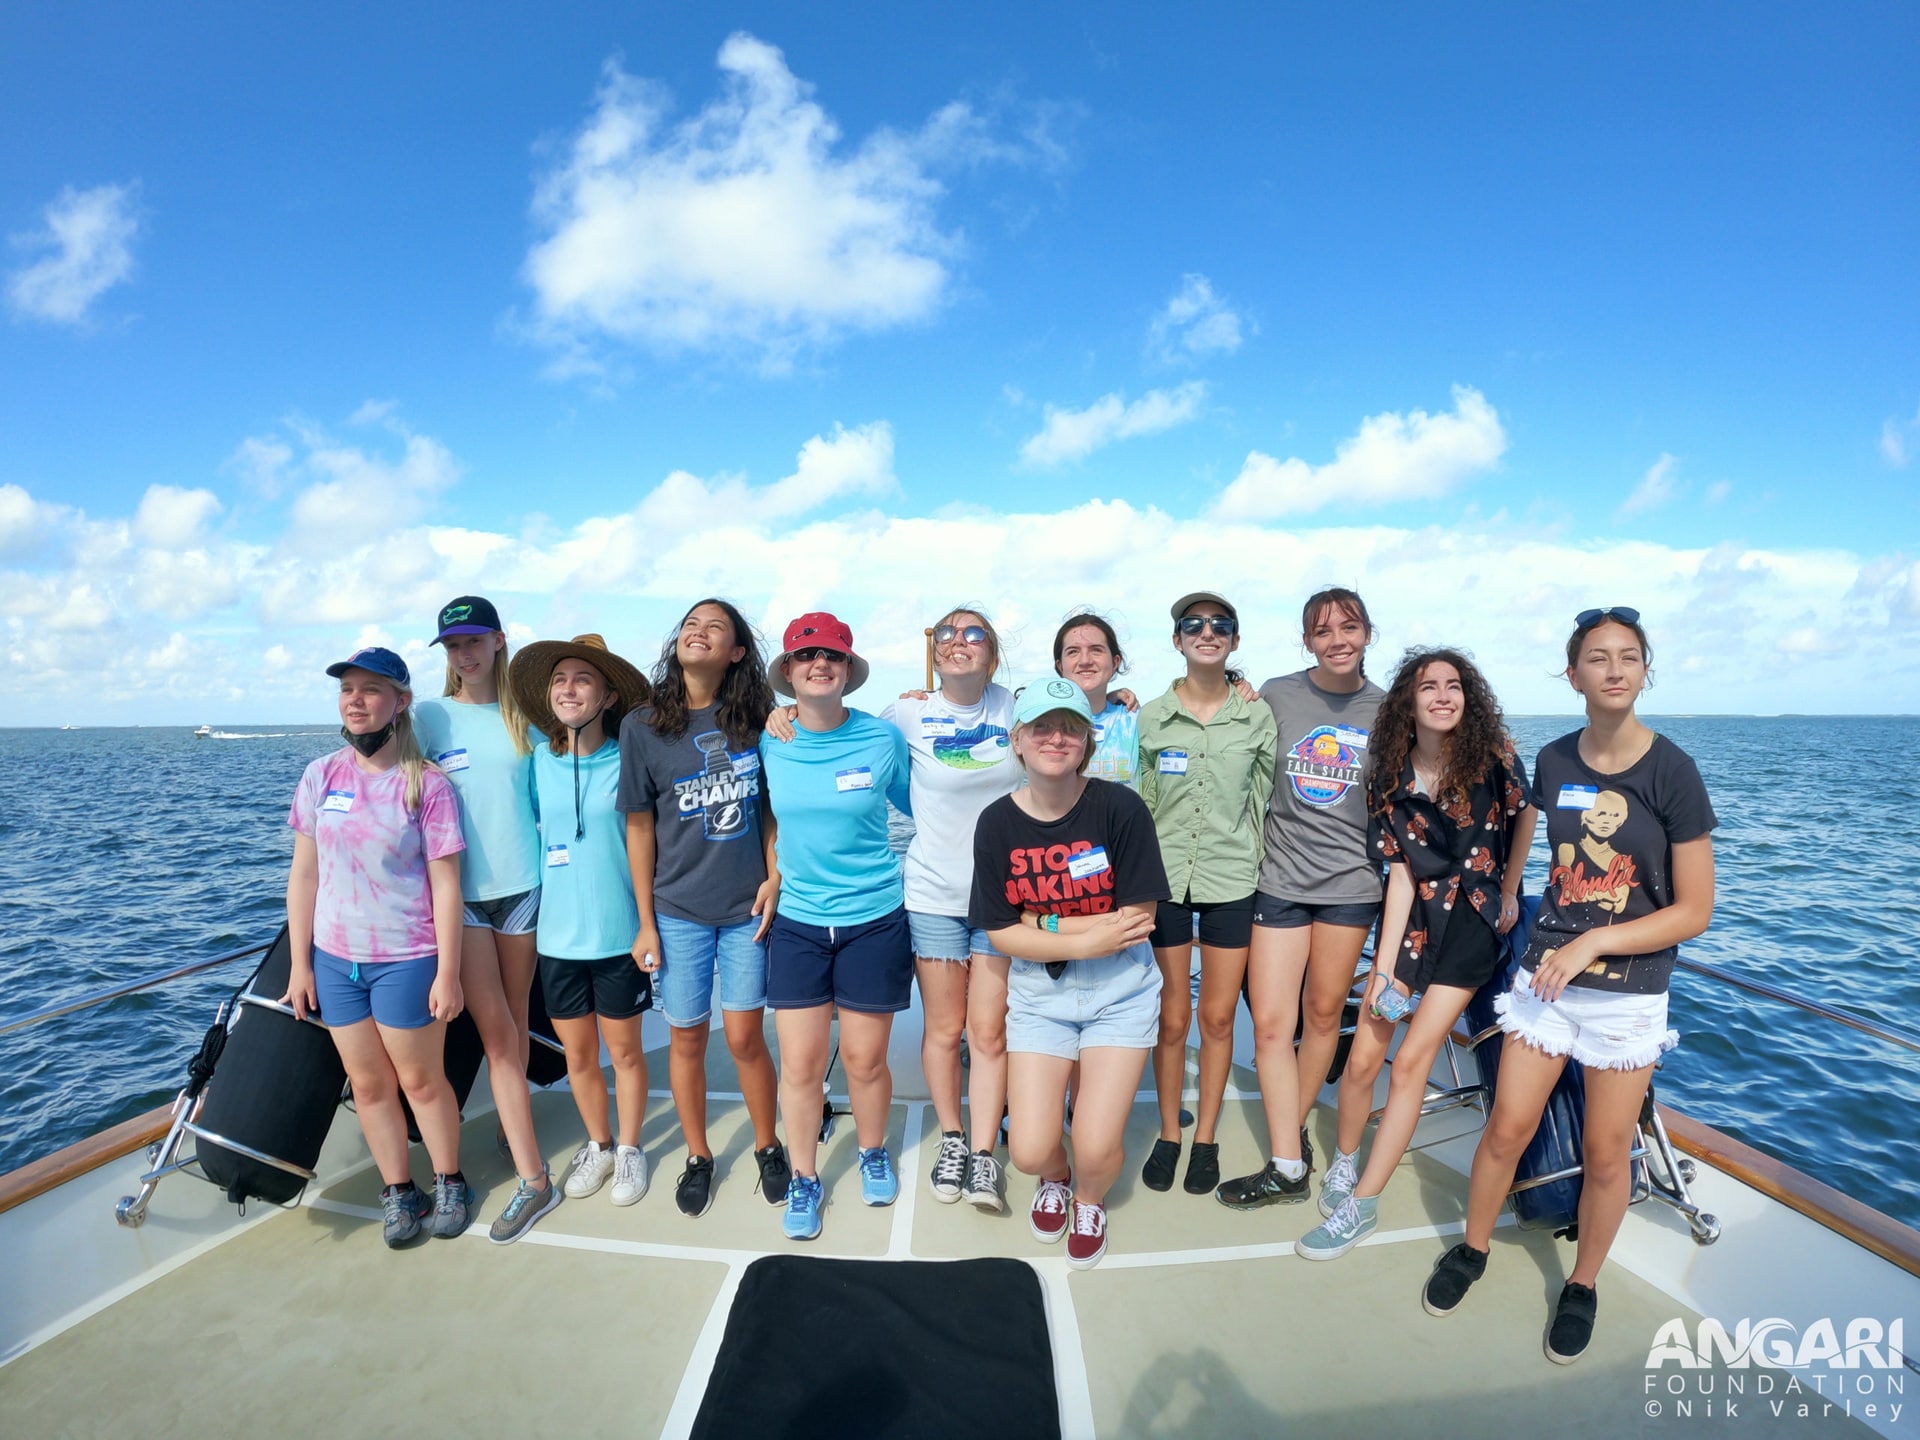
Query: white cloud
[
  {"x": 352, "y": 491},
  {"x": 748, "y": 225},
  {"x": 23, "y": 519},
  {"x": 262, "y": 462},
  {"x": 1415, "y": 456},
  {"x": 1069, "y": 435},
  {"x": 1897, "y": 439},
  {"x": 89, "y": 235},
  {"x": 1655, "y": 489},
  {"x": 1194, "y": 323},
  {"x": 169, "y": 518}
]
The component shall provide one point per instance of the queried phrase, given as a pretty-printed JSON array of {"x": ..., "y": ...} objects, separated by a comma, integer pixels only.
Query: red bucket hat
[{"x": 816, "y": 628}]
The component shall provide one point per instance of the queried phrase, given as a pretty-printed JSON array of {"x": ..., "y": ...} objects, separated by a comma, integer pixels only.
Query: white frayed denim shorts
[{"x": 1602, "y": 1029}]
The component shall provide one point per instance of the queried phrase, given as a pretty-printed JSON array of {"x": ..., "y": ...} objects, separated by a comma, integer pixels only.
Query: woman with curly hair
[{"x": 1447, "y": 810}]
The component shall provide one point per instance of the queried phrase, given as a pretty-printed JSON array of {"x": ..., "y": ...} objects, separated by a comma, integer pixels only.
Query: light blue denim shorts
[
  {"x": 1114, "y": 1001},
  {"x": 946, "y": 937},
  {"x": 690, "y": 957}
]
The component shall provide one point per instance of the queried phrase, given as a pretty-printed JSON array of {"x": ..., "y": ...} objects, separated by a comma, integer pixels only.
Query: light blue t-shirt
[
  {"x": 1116, "y": 745},
  {"x": 586, "y": 901},
  {"x": 829, "y": 793},
  {"x": 490, "y": 777}
]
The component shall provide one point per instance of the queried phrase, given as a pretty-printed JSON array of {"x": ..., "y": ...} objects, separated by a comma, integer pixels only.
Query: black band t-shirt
[{"x": 1610, "y": 842}]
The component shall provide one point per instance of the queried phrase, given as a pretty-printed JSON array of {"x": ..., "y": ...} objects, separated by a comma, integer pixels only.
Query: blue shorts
[
  {"x": 946, "y": 937},
  {"x": 866, "y": 967},
  {"x": 392, "y": 992},
  {"x": 1113, "y": 1001},
  {"x": 508, "y": 914},
  {"x": 691, "y": 953},
  {"x": 1270, "y": 912}
]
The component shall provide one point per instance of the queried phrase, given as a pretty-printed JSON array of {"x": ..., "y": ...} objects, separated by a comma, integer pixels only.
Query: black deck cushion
[{"x": 840, "y": 1348}]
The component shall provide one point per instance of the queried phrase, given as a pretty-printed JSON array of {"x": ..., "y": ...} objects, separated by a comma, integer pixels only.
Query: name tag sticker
[
  {"x": 1099, "y": 732},
  {"x": 937, "y": 725},
  {"x": 1347, "y": 735},
  {"x": 1578, "y": 797},
  {"x": 557, "y": 855},
  {"x": 747, "y": 762},
  {"x": 1088, "y": 862},
  {"x": 857, "y": 779},
  {"x": 451, "y": 760},
  {"x": 341, "y": 800},
  {"x": 1173, "y": 762}
]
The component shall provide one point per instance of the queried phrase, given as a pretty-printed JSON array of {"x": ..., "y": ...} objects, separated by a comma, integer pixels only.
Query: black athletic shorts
[{"x": 1227, "y": 924}]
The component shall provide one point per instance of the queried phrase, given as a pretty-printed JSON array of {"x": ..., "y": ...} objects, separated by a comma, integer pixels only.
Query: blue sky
[{"x": 311, "y": 323}]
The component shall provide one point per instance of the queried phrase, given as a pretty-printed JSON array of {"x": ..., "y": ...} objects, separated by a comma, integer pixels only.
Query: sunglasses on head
[
  {"x": 1219, "y": 624},
  {"x": 947, "y": 634},
  {"x": 1625, "y": 614},
  {"x": 817, "y": 652}
]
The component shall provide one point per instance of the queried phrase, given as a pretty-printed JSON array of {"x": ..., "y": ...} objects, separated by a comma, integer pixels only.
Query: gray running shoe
[
  {"x": 452, "y": 1207},
  {"x": 402, "y": 1209},
  {"x": 524, "y": 1207}
]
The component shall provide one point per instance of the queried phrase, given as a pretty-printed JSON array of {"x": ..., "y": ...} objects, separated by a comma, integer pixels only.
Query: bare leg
[
  {"x": 517, "y": 965},
  {"x": 1527, "y": 1078},
  {"x": 581, "y": 1037},
  {"x": 747, "y": 1043},
  {"x": 486, "y": 998},
  {"x": 419, "y": 1061},
  {"x": 1176, "y": 1017},
  {"x": 1109, "y": 1081},
  {"x": 629, "y": 1073},
  {"x": 1276, "y": 966},
  {"x": 376, "y": 1097},
  {"x": 987, "y": 1043},
  {"x": 1221, "y": 971},
  {"x": 1612, "y": 1118},
  {"x": 863, "y": 1052},
  {"x": 687, "y": 1074},
  {"x": 1335, "y": 950},
  {"x": 804, "y": 1036},
  {"x": 1371, "y": 1039},
  {"x": 1426, "y": 1032},
  {"x": 943, "y": 999},
  {"x": 1037, "y": 1097}
]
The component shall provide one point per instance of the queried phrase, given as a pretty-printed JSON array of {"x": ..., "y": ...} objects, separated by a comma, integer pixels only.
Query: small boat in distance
[{"x": 205, "y": 732}]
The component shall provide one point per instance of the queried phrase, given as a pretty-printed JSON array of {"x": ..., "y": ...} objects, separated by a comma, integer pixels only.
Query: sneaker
[
  {"x": 1350, "y": 1223},
  {"x": 1452, "y": 1278},
  {"x": 525, "y": 1206},
  {"x": 1267, "y": 1187},
  {"x": 629, "y": 1175},
  {"x": 1342, "y": 1175},
  {"x": 802, "y": 1220},
  {"x": 775, "y": 1173},
  {"x": 878, "y": 1184},
  {"x": 1087, "y": 1241},
  {"x": 1203, "y": 1168},
  {"x": 1306, "y": 1149},
  {"x": 1157, "y": 1173},
  {"x": 1572, "y": 1324},
  {"x": 984, "y": 1181},
  {"x": 950, "y": 1167},
  {"x": 693, "y": 1193},
  {"x": 452, "y": 1207},
  {"x": 1051, "y": 1202},
  {"x": 402, "y": 1208},
  {"x": 592, "y": 1164}
]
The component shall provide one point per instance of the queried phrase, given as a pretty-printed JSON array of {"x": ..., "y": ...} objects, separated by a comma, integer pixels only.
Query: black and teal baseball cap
[{"x": 467, "y": 615}]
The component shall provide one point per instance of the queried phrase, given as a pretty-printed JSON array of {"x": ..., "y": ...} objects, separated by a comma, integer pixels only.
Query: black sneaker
[
  {"x": 694, "y": 1192},
  {"x": 1157, "y": 1173},
  {"x": 1572, "y": 1324},
  {"x": 775, "y": 1173},
  {"x": 1452, "y": 1278},
  {"x": 1268, "y": 1187},
  {"x": 1203, "y": 1168},
  {"x": 1306, "y": 1148}
]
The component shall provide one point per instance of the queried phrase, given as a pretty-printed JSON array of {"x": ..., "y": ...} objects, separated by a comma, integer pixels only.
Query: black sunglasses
[
  {"x": 947, "y": 634},
  {"x": 1219, "y": 624},
  {"x": 1625, "y": 614},
  {"x": 817, "y": 652}
]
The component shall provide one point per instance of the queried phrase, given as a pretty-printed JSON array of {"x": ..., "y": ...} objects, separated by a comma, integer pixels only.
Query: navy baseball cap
[
  {"x": 467, "y": 615},
  {"x": 377, "y": 659}
]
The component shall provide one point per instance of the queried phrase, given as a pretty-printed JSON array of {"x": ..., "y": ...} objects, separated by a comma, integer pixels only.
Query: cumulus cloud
[
  {"x": 169, "y": 518},
  {"x": 23, "y": 519},
  {"x": 1655, "y": 489},
  {"x": 1195, "y": 323},
  {"x": 1415, "y": 456},
  {"x": 748, "y": 225},
  {"x": 1897, "y": 439},
  {"x": 85, "y": 248},
  {"x": 1069, "y": 435},
  {"x": 351, "y": 490}
]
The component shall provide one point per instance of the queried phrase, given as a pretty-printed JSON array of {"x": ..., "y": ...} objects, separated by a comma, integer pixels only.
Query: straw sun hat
[{"x": 532, "y": 673}]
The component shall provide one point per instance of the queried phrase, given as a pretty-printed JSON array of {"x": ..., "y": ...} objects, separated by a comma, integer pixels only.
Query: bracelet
[{"x": 1053, "y": 924}]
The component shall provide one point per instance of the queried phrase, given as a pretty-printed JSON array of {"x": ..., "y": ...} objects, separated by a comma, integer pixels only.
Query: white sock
[{"x": 1292, "y": 1169}]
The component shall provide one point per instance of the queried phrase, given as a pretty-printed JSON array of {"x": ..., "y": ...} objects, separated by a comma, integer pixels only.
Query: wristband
[{"x": 1053, "y": 924}]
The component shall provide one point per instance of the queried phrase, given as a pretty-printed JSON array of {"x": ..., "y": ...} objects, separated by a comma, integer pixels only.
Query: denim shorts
[
  {"x": 1114, "y": 1000},
  {"x": 392, "y": 992},
  {"x": 1272, "y": 913},
  {"x": 1605, "y": 1029},
  {"x": 866, "y": 967},
  {"x": 508, "y": 914},
  {"x": 690, "y": 956},
  {"x": 946, "y": 937}
]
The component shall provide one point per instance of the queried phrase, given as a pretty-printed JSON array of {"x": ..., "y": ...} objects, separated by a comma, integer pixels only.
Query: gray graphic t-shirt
[
  {"x": 1316, "y": 835},
  {"x": 705, "y": 798}
]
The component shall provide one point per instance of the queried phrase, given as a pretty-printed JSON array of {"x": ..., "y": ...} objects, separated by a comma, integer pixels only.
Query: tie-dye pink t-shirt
[{"x": 374, "y": 902}]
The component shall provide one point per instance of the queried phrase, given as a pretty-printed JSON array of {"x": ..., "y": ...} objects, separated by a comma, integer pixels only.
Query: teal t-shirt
[
  {"x": 491, "y": 779},
  {"x": 828, "y": 793},
  {"x": 586, "y": 901}
]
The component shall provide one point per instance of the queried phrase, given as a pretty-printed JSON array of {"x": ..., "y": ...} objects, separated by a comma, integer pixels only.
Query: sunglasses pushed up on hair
[
  {"x": 1625, "y": 614},
  {"x": 1191, "y": 625}
]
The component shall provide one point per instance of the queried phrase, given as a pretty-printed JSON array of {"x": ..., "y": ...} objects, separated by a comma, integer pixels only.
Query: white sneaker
[
  {"x": 629, "y": 1175},
  {"x": 592, "y": 1164}
]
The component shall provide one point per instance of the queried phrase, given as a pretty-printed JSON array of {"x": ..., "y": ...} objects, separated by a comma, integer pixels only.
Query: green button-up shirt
[{"x": 1207, "y": 788}]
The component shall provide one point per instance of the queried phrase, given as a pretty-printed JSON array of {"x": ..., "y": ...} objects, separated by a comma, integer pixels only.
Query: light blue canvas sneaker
[
  {"x": 1337, "y": 1184},
  {"x": 1350, "y": 1223},
  {"x": 802, "y": 1220},
  {"x": 878, "y": 1184}
]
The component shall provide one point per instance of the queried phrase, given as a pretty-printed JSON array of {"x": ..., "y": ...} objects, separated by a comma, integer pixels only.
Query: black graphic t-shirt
[
  {"x": 1456, "y": 851},
  {"x": 1610, "y": 842},
  {"x": 1100, "y": 856},
  {"x": 705, "y": 798}
]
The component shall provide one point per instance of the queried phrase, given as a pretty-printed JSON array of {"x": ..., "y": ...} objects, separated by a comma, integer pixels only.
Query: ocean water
[{"x": 126, "y": 852}]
